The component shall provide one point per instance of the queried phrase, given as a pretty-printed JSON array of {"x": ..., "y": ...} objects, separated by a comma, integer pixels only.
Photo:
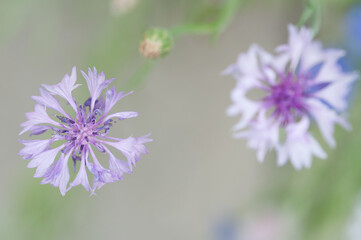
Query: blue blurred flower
[
  {"x": 352, "y": 44},
  {"x": 226, "y": 228},
  {"x": 352, "y": 33}
]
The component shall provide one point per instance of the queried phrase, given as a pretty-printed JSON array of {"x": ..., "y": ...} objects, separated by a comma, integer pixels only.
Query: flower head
[
  {"x": 282, "y": 94},
  {"x": 79, "y": 135}
]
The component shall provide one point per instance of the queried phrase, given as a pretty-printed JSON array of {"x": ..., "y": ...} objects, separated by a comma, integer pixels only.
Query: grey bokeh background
[{"x": 195, "y": 172}]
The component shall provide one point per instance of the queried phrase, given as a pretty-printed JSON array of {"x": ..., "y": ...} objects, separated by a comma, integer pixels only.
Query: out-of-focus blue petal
[
  {"x": 347, "y": 64},
  {"x": 352, "y": 32},
  {"x": 225, "y": 229}
]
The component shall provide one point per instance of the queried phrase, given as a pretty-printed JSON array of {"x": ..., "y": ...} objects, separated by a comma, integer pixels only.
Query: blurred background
[{"x": 197, "y": 182}]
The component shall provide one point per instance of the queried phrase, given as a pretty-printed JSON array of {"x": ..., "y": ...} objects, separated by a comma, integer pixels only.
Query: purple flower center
[
  {"x": 286, "y": 98},
  {"x": 82, "y": 133},
  {"x": 84, "y": 129}
]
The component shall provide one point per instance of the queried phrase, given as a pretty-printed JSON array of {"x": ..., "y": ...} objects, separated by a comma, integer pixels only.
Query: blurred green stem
[
  {"x": 214, "y": 29},
  {"x": 188, "y": 29},
  {"x": 139, "y": 75},
  {"x": 313, "y": 10}
]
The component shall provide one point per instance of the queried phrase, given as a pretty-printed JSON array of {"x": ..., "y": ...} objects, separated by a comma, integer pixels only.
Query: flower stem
[
  {"x": 139, "y": 75},
  {"x": 313, "y": 10},
  {"x": 228, "y": 12}
]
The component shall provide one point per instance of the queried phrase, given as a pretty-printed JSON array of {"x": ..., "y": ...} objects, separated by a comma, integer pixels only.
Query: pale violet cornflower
[
  {"x": 77, "y": 136},
  {"x": 279, "y": 96}
]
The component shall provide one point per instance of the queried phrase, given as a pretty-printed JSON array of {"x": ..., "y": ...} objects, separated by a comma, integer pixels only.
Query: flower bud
[{"x": 156, "y": 43}]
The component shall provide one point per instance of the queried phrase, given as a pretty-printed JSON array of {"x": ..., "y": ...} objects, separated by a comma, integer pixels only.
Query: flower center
[
  {"x": 85, "y": 133},
  {"x": 286, "y": 98},
  {"x": 84, "y": 129}
]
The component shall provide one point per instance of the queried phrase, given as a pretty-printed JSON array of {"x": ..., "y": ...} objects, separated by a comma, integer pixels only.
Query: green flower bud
[{"x": 157, "y": 43}]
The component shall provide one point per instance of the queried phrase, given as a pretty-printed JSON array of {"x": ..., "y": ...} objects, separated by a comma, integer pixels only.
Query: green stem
[
  {"x": 186, "y": 29},
  {"x": 316, "y": 26},
  {"x": 139, "y": 75},
  {"x": 313, "y": 10},
  {"x": 228, "y": 12}
]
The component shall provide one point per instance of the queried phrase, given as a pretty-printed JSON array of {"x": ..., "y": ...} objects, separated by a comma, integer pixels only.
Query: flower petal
[
  {"x": 39, "y": 116},
  {"x": 132, "y": 148},
  {"x": 64, "y": 88},
  {"x": 122, "y": 115},
  {"x": 336, "y": 93},
  {"x": 101, "y": 175},
  {"x": 58, "y": 174},
  {"x": 297, "y": 41},
  {"x": 38, "y": 129},
  {"x": 326, "y": 120},
  {"x": 96, "y": 84},
  {"x": 49, "y": 101},
  {"x": 112, "y": 97},
  {"x": 81, "y": 177},
  {"x": 242, "y": 105},
  {"x": 300, "y": 145},
  {"x": 262, "y": 136},
  {"x": 34, "y": 147},
  {"x": 116, "y": 166}
]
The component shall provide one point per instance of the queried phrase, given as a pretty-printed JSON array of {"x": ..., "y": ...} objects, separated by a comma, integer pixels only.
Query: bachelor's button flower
[
  {"x": 280, "y": 96},
  {"x": 79, "y": 136}
]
